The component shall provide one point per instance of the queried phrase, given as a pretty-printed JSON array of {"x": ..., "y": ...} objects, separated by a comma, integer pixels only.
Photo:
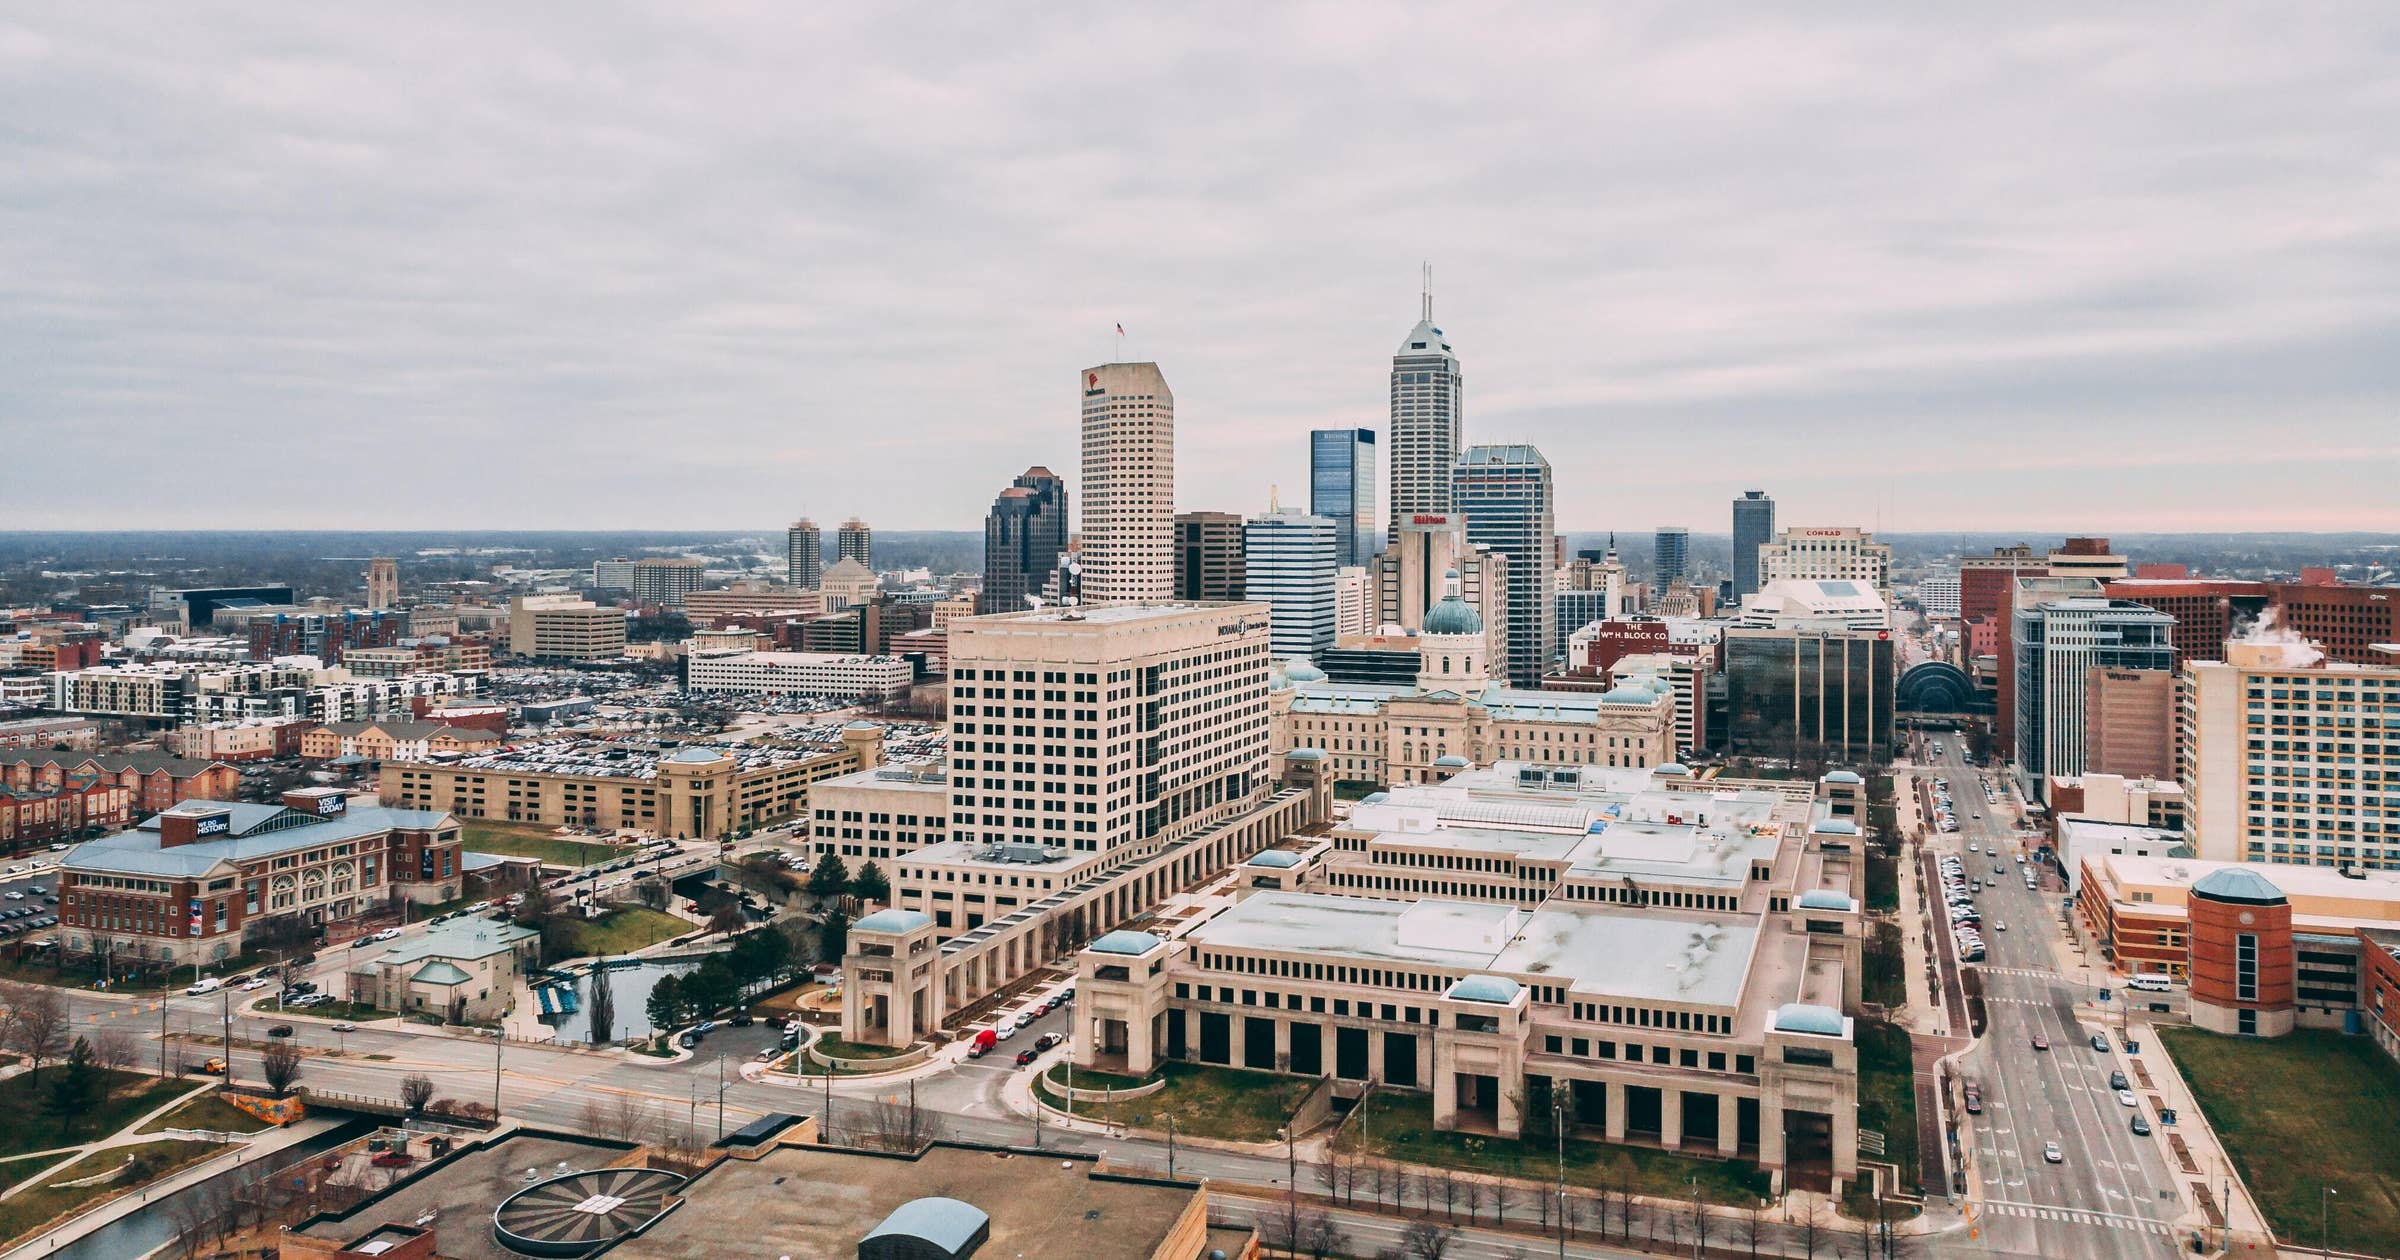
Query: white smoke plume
[{"x": 2297, "y": 650}]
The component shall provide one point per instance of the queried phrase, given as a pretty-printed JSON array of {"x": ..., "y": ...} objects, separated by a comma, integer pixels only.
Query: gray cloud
[{"x": 714, "y": 266}]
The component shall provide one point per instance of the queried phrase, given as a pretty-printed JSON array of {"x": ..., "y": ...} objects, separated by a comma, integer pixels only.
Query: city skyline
[{"x": 1821, "y": 269}]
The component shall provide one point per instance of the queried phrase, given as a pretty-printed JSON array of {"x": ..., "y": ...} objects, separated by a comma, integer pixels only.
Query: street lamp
[
  {"x": 2325, "y": 1219},
  {"x": 1558, "y": 1127},
  {"x": 1291, "y": 1156}
]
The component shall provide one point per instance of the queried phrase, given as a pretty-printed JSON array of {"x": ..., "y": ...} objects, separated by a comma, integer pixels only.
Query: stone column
[
  {"x": 1670, "y": 1116},
  {"x": 1729, "y": 1124},
  {"x": 1616, "y": 1111}
]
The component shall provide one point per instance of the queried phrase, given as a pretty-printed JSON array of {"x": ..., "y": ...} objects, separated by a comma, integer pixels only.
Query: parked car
[
  {"x": 2100, "y": 1043},
  {"x": 690, "y": 1038},
  {"x": 2125, "y": 1098},
  {"x": 1046, "y": 1040},
  {"x": 741, "y": 1017},
  {"x": 2116, "y": 1080},
  {"x": 1974, "y": 1099}
]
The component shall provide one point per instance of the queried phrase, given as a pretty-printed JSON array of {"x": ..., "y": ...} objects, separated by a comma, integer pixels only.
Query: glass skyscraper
[
  {"x": 1671, "y": 556},
  {"x": 1753, "y": 528},
  {"x": 1341, "y": 488},
  {"x": 1504, "y": 492},
  {"x": 1288, "y": 565}
]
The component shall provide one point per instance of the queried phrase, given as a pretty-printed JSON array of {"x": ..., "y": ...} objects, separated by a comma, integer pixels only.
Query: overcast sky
[{"x": 699, "y": 266}]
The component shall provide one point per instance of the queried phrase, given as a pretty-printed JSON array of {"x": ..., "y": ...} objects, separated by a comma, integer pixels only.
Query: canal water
[
  {"x": 629, "y": 984},
  {"x": 153, "y": 1225}
]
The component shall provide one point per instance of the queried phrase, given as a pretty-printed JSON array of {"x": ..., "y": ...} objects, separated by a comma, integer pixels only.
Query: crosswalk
[
  {"x": 2078, "y": 1216},
  {"x": 2018, "y": 971}
]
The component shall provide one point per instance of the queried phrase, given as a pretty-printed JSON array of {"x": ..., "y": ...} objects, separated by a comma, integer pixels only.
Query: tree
[
  {"x": 603, "y": 1006},
  {"x": 830, "y": 878},
  {"x": 416, "y": 1093},
  {"x": 35, "y": 1025},
  {"x": 711, "y": 988},
  {"x": 725, "y": 914},
  {"x": 1321, "y": 1238},
  {"x": 75, "y": 1088},
  {"x": 870, "y": 885},
  {"x": 1425, "y": 1240},
  {"x": 833, "y": 939},
  {"x": 115, "y": 1052},
  {"x": 1504, "y": 1197},
  {"x": 279, "y": 1063},
  {"x": 665, "y": 1004}
]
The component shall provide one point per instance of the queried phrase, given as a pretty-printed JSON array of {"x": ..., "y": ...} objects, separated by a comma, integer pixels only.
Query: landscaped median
[
  {"x": 2300, "y": 1115},
  {"x": 851, "y": 1058},
  {"x": 1228, "y": 1104}
]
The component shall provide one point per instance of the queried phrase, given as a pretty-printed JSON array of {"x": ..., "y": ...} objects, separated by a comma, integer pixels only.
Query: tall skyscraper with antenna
[{"x": 1425, "y": 435}]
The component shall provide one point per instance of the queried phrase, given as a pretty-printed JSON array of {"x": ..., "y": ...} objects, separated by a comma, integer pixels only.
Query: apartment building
[{"x": 1668, "y": 961}]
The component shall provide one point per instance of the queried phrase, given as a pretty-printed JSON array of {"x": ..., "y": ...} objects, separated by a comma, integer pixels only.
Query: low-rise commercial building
[
  {"x": 196, "y": 883},
  {"x": 702, "y": 791},
  {"x": 460, "y": 972},
  {"x": 879, "y": 814},
  {"x": 564, "y": 628},
  {"x": 868, "y": 679},
  {"x": 52, "y": 733}
]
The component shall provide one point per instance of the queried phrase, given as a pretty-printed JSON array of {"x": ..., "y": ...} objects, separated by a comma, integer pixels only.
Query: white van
[
  {"x": 210, "y": 985},
  {"x": 2148, "y": 983}
]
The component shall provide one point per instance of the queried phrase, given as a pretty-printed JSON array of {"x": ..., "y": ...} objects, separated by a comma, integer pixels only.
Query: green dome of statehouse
[{"x": 1453, "y": 616}]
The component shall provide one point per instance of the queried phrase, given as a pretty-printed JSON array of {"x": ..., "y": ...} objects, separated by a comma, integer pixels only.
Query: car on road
[
  {"x": 1026, "y": 1057},
  {"x": 388, "y": 934},
  {"x": 705, "y": 1027},
  {"x": 689, "y": 1039},
  {"x": 2100, "y": 1043},
  {"x": 255, "y": 983},
  {"x": 2000, "y": 925},
  {"x": 1046, "y": 1040},
  {"x": 2125, "y": 1098},
  {"x": 2116, "y": 1080},
  {"x": 770, "y": 1052},
  {"x": 2141, "y": 1127},
  {"x": 214, "y": 1067},
  {"x": 280, "y": 1030},
  {"x": 210, "y": 985},
  {"x": 344, "y": 1027},
  {"x": 1007, "y": 1030},
  {"x": 2040, "y": 1042},
  {"x": 2051, "y": 1154},
  {"x": 1974, "y": 1099}
]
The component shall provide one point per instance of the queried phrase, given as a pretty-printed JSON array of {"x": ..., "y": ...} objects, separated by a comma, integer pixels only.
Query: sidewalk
[
  {"x": 130, "y": 1135},
  {"x": 2214, "y": 1177},
  {"x": 126, "y": 1205}
]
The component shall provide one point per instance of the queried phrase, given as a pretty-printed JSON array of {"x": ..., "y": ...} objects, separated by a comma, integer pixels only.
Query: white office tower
[
  {"x": 1128, "y": 536},
  {"x": 1424, "y": 432},
  {"x": 1290, "y": 563}
]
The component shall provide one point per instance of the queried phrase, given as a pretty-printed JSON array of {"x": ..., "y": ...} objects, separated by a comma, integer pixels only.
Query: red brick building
[
  {"x": 2346, "y": 620},
  {"x": 47, "y": 815},
  {"x": 157, "y": 780}
]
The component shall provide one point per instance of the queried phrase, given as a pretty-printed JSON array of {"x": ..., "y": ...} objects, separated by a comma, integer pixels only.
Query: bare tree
[
  {"x": 416, "y": 1090},
  {"x": 1329, "y": 1173},
  {"x": 35, "y": 1024},
  {"x": 279, "y": 1064},
  {"x": 890, "y": 1126},
  {"x": 1279, "y": 1232},
  {"x": 115, "y": 1053},
  {"x": 1504, "y": 1197},
  {"x": 591, "y": 1118},
  {"x": 1473, "y": 1191},
  {"x": 1449, "y": 1183},
  {"x": 1425, "y": 1240},
  {"x": 1699, "y": 1224},
  {"x": 1320, "y": 1237},
  {"x": 627, "y": 1120},
  {"x": 1808, "y": 1234},
  {"x": 1752, "y": 1227},
  {"x": 1377, "y": 1175}
]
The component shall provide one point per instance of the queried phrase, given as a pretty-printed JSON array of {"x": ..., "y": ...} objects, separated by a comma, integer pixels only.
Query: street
[{"x": 2111, "y": 1194}]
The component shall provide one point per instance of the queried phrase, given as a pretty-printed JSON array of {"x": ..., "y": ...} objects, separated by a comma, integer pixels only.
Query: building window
[{"x": 2245, "y": 968}]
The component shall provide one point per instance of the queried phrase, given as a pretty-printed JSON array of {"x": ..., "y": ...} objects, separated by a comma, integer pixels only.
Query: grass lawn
[
  {"x": 624, "y": 930},
  {"x": 2300, "y": 1112},
  {"x": 1400, "y": 1127},
  {"x": 39, "y": 1206},
  {"x": 85, "y": 975},
  {"x": 484, "y": 835},
  {"x": 833, "y": 1047},
  {"x": 1213, "y": 1102},
  {"x": 206, "y": 1112},
  {"x": 1887, "y": 1093},
  {"x": 26, "y": 1126},
  {"x": 1086, "y": 1078}
]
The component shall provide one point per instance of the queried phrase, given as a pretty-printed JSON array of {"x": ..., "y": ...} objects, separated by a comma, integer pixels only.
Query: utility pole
[
  {"x": 1558, "y": 1126},
  {"x": 1170, "y": 1145},
  {"x": 499, "y": 1039},
  {"x": 162, "y": 1038},
  {"x": 1291, "y": 1161},
  {"x": 720, "y": 1095},
  {"x": 228, "y": 1035}
]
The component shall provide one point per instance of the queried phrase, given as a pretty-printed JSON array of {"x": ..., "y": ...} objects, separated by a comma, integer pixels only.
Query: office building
[
  {"x": 2022, "y": 593},
  {"x": 1984, "y": 582},
  {"x": 704, "y": 791},
  {"x": 1208, "y": 557},
  {"x": 1808, "y": 693},
  {"x": 2058, "y": 643},
  {"x": 871, "y": 680},
  {"x": 613, "y": 575},
  {"x": 1342, "y": 481},
  {"x": 1753, "y": 528},
  {"x": 878, "y": 814},
  {"x": 2345, "y": 621},
  {"x": 803, "y": 555},
  {"x": 196, "y": 608},
  {"x": 1938, "y": 595},
  {"x": 1424, "y": 430},
  {"x": 1353, "y": 598},
  {"x": 662, "y": 582},
  {"x": 1023, "y": 537},
  {"x": 2114, "y": 800},
  {"x": 750, "y": 599},
  {"x": 1291, "y": 563},
  {"x": 2086, "y": 557},
  {"x": 564, "y": 628},
  {"x": 854, "y": 540},
  {"x": 419, "y": 656},
  {"x": 1128, "y": 484},
  {"x": 199, "y": 883},
  {"x": 1671, "y": 555},
  {"x": 1820, "y": 553},
  {"x": 1412, "y": 575},
  {"x": 1505, "y": 494},
  {"x": 2130, "y": 721},
  {"x": 1664, "y": 962},
  {"x": 383, "y": 582},
  {"x": 1167, "y": 702},
  {"x": 2288, "y": 758}
]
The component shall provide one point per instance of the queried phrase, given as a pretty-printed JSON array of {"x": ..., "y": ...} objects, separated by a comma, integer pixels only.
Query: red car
[
  {"x": 2040, "y": 1042},
  {"x": 1025, "y": 1058}
]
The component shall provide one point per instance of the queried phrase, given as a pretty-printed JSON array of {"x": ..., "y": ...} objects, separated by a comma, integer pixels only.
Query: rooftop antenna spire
[{"x": 1428, "y": 293}]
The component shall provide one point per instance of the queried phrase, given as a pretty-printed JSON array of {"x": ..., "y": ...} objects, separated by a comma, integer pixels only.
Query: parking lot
[{"x": 29, "y": 896}]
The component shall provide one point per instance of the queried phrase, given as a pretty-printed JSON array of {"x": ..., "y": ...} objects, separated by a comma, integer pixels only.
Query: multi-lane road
[{"x": 2110, "y": 1195}]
